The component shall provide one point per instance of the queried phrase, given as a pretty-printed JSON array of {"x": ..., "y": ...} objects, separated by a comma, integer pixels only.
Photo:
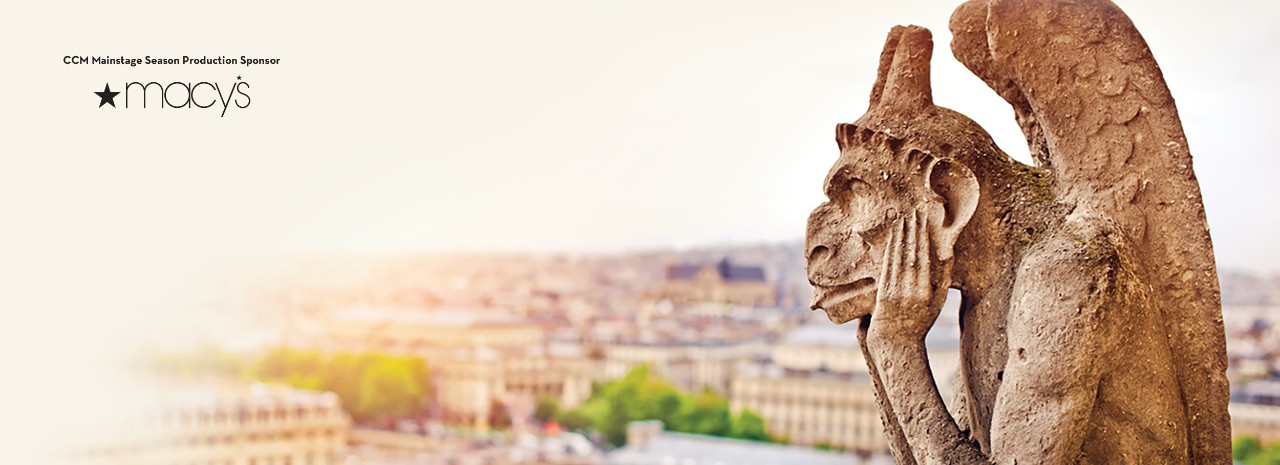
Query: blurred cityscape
[{"x": 691, "y": 357}]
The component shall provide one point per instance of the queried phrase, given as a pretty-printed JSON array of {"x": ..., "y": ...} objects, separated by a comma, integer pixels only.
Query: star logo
[{"x": 107, "y": 96}]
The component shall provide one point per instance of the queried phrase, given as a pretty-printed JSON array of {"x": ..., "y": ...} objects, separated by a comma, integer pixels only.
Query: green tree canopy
[
  {"x": 1245, "y": 447},
  {"x": 387, "y": 389},
  {"x": 1249, "y": 451},
  {"x": 370, "y": 385},
  {"x": 640, "y": 395},
  {"x": 750, "y": 426}
]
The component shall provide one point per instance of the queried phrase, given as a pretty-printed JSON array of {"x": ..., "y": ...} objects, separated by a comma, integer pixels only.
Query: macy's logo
[{"x": 179, "y": 95}]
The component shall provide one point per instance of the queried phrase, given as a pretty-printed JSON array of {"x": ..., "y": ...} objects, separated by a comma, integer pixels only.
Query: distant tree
[
  {"x": 748, "y": 425},
  {"x": 1245, "y": 447},
  {"x": 574, "y": 420},
  {"x": 499, "y": 415},
  {"x": 824, "y": 445},
  {"x": 642, "y": 396},
  {"x": 1268, "y": 456},
  {"x": 708, "y": 414},
  {"x": 344, "y": 375},
  {"x": 546, "y": 409},
  {"x": 418, "y": 370},
  {"x": 662, "y": 402},
  {"x": 370, "y": 385},
  {"x": 387, "y": 389},
  {"x": 1250, "y": 451},
  {"x": 304, "y": 381},
  {"x": 614, "y": 426},
  {"x": 655, "y": 398}
]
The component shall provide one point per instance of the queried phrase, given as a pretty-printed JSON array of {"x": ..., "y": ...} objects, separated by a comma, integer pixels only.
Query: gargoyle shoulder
[{"x": 1083, "y": 273}]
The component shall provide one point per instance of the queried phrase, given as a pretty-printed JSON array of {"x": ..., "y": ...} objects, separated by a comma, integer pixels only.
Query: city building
[
  {"x": 830, "y": 410},
  {"x": 818, "y": 391},
  {"x": 225, "y": 425},
  {"x": 1258, "y": 392},
  {"x": 1256, "y": 420},
  {"x": 688, "y": 366},
  {"x": 469, "y": 390},
  {"x": 722, "y": 282},
  {"x": 425, "y": 332}
]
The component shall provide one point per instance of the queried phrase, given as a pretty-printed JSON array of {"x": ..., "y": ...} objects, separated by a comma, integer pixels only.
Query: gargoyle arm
[
  {"x": 1059, "y": 336},
  {"x": 913, "y": 397},
  {"x": 892, "y": 429}
]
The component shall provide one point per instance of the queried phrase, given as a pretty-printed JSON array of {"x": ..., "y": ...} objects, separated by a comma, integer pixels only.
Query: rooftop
[
  {"x": 443, "y": 318},
  {"x": 669, "y": 448},
  {"x": 727, "y": 271},
  {"x": 831, "y": 335}
]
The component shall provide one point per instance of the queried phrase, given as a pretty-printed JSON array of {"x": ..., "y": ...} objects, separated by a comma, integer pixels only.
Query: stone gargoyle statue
[{"x": 1091, "y": 324}]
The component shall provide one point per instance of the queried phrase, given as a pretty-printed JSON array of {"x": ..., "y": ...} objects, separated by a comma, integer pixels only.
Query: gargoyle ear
[{"x": 958, "y": 188}]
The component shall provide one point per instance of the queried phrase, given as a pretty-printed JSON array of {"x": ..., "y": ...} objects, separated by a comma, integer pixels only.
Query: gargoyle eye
[
  {"x": 844, "y": 188},
  {"x": 858, "y": 187}
]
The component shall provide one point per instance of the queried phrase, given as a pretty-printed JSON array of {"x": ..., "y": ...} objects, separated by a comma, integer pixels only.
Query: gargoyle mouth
[{"x": 827, "y": 297}]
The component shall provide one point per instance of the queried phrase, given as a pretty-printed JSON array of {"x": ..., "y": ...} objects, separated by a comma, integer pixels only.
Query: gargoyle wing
[{"x": 1094, "y": 107}]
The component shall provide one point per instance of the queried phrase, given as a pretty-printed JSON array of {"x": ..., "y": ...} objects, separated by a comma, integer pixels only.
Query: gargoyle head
[{"x": 891, "y": 163}]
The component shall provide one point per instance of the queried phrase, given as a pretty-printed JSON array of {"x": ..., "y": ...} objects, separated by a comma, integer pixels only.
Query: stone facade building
[
  {"x": 818, "y": 391},
  {"x": 225, "y": 425},
  {"x": 468, "y": 390},
  {"x": 688, "y": 366},
  {"x": 723, "y": 282},
  {"x": 1256, "y": 420},
  {"x": 829, "y": 409}
]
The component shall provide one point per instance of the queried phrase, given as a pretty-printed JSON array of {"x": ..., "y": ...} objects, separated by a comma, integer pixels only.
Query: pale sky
[
  {"x": 570, "y": 125},
  {"x": 553, "y": 125}
]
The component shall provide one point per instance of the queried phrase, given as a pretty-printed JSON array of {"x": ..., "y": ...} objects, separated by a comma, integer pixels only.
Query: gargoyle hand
[{"x": 907, "y": 302}]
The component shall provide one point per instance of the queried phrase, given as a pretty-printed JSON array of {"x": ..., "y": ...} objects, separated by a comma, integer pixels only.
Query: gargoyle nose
[
  {"x": 814, "y": 261},
  {"x": 819, "y": 253},
  {"x": 828, "y": 262}
]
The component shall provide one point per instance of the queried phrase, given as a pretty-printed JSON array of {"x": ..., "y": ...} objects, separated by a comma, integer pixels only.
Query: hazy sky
[
  {"x": 579, "y": 125},
  {"x": 550, "y": 125}
]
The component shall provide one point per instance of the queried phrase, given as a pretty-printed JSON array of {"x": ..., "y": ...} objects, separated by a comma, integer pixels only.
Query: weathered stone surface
[{"x": 1091, "y": 323}]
